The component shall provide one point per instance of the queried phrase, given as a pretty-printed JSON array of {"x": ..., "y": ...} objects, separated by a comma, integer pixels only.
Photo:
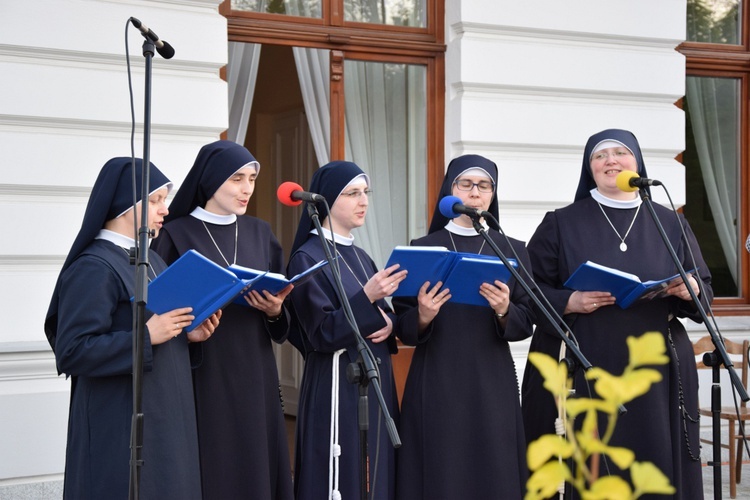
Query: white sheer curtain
[
  {"x": 713, "y": 105},
  {"x": 385, "y": 135},
  {"x": 385, "y": 127},
  {"x": 313, "y": 71},
  {"x": 242, "y": 74}
]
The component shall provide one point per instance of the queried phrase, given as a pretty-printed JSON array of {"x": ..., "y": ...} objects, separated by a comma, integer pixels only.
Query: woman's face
[
  {"x": 157, "y": 210},
  {"x": 478, "y": 195},
  {"x": 233, "y": 196},
  {"x": 350, "y": 208},
  {"x": 606, "y": 164}
]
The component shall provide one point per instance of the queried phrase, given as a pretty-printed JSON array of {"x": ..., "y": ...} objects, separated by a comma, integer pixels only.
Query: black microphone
[
  {"x": 452, "y": 206},
  {"x": 162, "y": 47},
  {"x": 629, "y": 181},
  {"x": 292, "y": 194}
]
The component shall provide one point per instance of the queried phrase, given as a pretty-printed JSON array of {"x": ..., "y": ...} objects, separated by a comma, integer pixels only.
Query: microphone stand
[
  {"x": 580, "y": 358},
  {"x": 140, "y": 255},
  {"x": 363, "y": 371},
  {"x": 714, "y": 359},
  {"x": 571, "y": 346}
]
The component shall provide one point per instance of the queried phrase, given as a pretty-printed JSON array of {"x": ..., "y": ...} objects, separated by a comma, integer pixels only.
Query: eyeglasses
[
  {"x": 357, "y": 194},
  {"x": 468, "y": 185},
  {"x": 619, "y": 153}
]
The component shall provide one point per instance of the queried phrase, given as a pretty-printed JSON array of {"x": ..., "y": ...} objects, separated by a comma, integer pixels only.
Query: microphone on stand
[
  {"x": 291, "y": 194},
  {"x": 452, "y": 207},
  {"x": 162, "y": 46},
  {"x": 630, "y": 181}
]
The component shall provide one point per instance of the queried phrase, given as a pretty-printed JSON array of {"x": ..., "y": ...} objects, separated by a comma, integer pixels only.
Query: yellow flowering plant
[{"x": 547, "y": 456}]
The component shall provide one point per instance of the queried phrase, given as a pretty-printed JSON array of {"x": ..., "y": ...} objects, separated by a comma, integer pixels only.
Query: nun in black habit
[
  {"x": 609, "y": 227},
  {"x": 89, "y": 325},
  {"x": 243, "y": 443},
  {"x": 327, "y": 417},
  {"x": 461, "y": 423}
]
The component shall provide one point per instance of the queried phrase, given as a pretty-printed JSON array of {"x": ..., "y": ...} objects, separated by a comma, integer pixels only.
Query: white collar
[
  {"x": 212, "y": 218},
  {"x": 118, "y": 239},
  {"x": 340, "y": 240},
  {"x": 609, "y": 202},
  {"x": 463, "y": 231}
]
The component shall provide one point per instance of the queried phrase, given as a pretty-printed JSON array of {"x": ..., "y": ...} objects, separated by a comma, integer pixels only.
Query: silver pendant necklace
[
  {"x": 349, "y": 267},
  {"x": 236, "y": 233},
  {"x": 623, "y": 245},
  {"x": 454, "y": 244}
]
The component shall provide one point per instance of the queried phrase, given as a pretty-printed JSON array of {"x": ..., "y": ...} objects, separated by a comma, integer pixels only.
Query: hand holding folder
[
  {"x": 197, "y": 282},
  {"x": 625, "y": 287},
  {"x": 462, "y": 273},
  {"x": 271, "y": 282}
]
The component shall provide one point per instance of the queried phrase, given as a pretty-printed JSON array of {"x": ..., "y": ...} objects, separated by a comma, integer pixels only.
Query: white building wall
[
  {"x": 64, "y": 111},
  {"x": 527, "y": 84}
]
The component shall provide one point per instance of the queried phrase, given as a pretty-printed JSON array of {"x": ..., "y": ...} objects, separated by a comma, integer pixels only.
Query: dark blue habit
[
  {"x": 91, "y": 322},
  {"x": 322, "y": 329},
  {"x": 244, "y": 451},
  {"x": 654, "y": 426},
  {"x": 461, "y": 422}
]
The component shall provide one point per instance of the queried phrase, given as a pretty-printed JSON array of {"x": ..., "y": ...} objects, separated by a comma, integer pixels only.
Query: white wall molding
[
  {"x": 118, "y": 129},
  {"x": 496, "y": 91},
  {"x": 557, "y": 37}
]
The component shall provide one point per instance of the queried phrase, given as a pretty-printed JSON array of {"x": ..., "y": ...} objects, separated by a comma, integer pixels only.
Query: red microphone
[{"x": 292, "y": 194}]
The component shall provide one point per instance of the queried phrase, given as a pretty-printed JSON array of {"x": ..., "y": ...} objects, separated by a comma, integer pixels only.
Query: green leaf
[
  {"x": 576, "y": 406},
  {"x": 544, "y": 482},
  {"x": 648, "y": 349},
  {"x": 555, "y": 374},
  {"x": 648, "y": 479},
  {"x": 545, "y": 448},
  {"x": 609, "y": 488},
  {"x": 622, "y": 457},
  {"x": 589, "y": 432},
  {"x": 627, "y": 387}
]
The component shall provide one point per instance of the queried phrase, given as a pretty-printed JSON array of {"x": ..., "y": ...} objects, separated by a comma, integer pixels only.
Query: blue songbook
[
  {"x": 197, "y": 282},
  {"x": 271, "y": 282},
  {"x": 463, "y": 273},
  {"x": 625, "y": 287}
]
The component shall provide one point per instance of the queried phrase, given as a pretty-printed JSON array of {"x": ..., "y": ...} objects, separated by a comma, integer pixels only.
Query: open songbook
[
  {"x": 627, "y": 288},
  {"x": 197, "y": 282},
  {"x": 272, "y": 282},
  {"x": 461, "y": 272}
]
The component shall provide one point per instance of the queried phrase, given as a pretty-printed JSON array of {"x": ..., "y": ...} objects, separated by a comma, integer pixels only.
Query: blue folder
[
  {"x": 197, "y": 282},
  {"x": 625, "y": 287},
  {"x": 461, "y": 272}
]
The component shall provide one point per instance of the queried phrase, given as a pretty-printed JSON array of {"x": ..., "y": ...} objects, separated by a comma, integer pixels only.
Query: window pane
[
  {"x": 303, "y": 8},
  {"x": 714, "y": 21},
  {"x": 711, "y": 161},
  {"x": 410, "y": 13},
  {"x": 386, "y": 123}
]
